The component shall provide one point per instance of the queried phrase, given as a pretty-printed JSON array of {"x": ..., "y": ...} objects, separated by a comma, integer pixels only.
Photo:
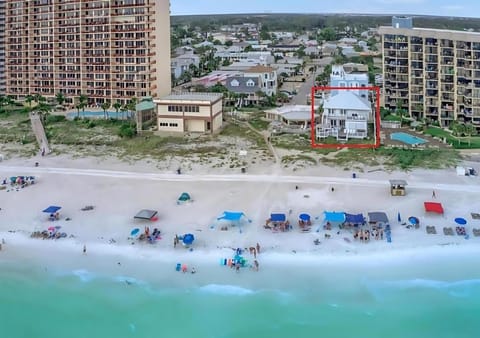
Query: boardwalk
[{"x": 39, "y": 132}]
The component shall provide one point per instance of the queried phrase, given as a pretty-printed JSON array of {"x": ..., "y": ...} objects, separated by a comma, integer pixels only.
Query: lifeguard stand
[{"x": 397, "y": 187}]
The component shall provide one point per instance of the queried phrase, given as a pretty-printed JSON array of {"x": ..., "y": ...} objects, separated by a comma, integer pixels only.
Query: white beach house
[{"x": 345, "y": 115}]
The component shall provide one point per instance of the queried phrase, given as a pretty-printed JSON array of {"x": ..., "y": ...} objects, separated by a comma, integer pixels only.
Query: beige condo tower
[
  {"x": 108, "y": 50},
  {"x": 432, "y": 73}
]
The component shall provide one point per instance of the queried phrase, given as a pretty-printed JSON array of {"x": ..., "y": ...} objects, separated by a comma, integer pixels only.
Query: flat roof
[
  {"x": 448, "y": 34},
  {"x": 398, "y": 182},
  {"x": 210, "y": 97},
  {"x": 298, "y": 115}
]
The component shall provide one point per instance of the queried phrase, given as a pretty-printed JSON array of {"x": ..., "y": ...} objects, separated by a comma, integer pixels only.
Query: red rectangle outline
[{"x": 340, "y": 145}]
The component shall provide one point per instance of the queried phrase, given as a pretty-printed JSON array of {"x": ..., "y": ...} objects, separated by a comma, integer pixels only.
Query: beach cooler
[{"x": 178, "y": 267}]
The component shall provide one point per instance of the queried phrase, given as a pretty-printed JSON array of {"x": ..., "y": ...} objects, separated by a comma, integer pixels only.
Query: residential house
[
  {"x": 313, "y": 52},
  {"x": 267, "y": 76},
  {"x": 287, "y": 68},
  {"x": 340, "y": 78},
  {"x": 265, "y": 57},
  {"x": 283, "y": 35},
  {"x": 190, "y": 112},
  {"x": 345, "y": 116},
  {"x": 182, "y": 63},
  {"x": 329, "y": 49},
  {"x": 218, "y": 76},
  {"x": 246, "y": 88}
]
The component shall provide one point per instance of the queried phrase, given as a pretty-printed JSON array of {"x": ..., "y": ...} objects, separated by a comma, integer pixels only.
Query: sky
[{"x": 465, "y": 8}]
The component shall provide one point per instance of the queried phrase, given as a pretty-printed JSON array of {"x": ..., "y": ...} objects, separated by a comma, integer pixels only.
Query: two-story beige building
[{"x": 190, "y": 112}]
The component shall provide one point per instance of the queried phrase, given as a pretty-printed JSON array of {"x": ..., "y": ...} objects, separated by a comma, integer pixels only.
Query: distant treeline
[{"x": 304, "y": 22}]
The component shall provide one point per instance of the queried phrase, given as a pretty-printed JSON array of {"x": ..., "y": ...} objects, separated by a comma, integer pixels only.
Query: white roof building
[{"x": 345, "y": 99}]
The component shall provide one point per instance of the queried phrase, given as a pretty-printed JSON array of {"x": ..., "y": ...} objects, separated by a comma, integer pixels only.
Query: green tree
[
  {"x": 117, "y": 105},
  {"x": 43, "y": 109},
  {"x": 458, "y": 129},
  {"x": 228, "y": 43},
  {"x": 83, "y": 101},
  {"x": 28, "y": 100},
  {"x": 39, "y": 98},
  {"x": 105, "y": 105},
  {"x": 470, "y": 130},
  {"x": 265, "y": 33},
  {"x": 218, "y": 88},
  {"x": 132, "y": 107},
  {"x": 328, "y": 34},
  {"x": 60, "y": 98}
]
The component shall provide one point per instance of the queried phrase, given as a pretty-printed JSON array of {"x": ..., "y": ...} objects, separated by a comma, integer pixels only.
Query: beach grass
[{"x": 392, "y": 158}]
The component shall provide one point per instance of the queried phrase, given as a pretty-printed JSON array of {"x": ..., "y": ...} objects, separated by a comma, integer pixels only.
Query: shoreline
[{"x": 118, "y": 191}]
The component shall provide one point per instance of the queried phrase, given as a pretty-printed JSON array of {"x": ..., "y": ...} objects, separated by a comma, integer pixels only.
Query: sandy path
[{"x": 274, "y": 178}]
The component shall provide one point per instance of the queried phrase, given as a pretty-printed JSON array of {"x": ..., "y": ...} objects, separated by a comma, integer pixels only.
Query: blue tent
[
  {"x": 231, "y": 216},
  {"x": 304, "y": 217},
  {"x": 278, "y": 217},
  {"x": 354, "y": 218},
  {"x": 334, "y": 217},
  {"x": 188, "y": 239},
  {"x": 52, "y": 209},
  {"x": 414, "y": 220}
]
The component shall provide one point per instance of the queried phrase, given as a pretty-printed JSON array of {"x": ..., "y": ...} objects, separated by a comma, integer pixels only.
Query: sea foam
[{"x": 221, "y": 289}]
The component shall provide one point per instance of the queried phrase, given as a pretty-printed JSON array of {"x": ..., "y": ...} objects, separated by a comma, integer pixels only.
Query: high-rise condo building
[
  {"x": 432, "y": 73},
  {"x": 108, "y": 50},
  {"x": 2, "y": 47}
]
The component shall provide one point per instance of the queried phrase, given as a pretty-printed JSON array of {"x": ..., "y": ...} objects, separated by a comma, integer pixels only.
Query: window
[
  {"x": 173, "y": 125},
  {"x": 192, "y": 109}
]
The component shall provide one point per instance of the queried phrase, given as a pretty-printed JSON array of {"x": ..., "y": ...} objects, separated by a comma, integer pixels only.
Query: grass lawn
[{"x": 456, "y": 142}]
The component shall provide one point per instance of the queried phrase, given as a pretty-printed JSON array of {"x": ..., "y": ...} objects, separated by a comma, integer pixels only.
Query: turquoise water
[
  {"x": 328, "y": 302},
  {"x": 98, "y": 114},
  {"x": 407, "y": 138}
]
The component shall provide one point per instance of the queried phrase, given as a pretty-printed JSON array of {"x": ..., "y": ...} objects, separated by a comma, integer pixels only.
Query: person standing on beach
[
  {"x": 84, "y": 249},
  {"x": 433, "y": 194},
  {"x": 258, "y": 248}
]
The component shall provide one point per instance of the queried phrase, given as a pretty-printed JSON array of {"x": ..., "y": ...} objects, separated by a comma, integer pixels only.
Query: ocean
[{"x": 426, "y": 297}]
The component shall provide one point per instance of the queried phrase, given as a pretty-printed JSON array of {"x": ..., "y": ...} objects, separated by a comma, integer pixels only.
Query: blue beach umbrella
[
  {"x": 188, "y": 239},
  {"x": 460, "y": 221},
  {"x": 134, "y": 232},
  {"x": 414, "y": 220}
]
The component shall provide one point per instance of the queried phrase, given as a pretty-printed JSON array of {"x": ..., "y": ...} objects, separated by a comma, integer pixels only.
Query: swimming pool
[
  {"x": 407, "y": 138},
  {"x": 98, "y": 114}
]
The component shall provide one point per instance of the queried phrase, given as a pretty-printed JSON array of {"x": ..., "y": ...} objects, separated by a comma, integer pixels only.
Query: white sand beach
[{"x": 118, "y": 190}]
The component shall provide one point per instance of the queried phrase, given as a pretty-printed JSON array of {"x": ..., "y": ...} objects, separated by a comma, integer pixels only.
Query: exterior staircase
[{"x": 39, "y": 132}]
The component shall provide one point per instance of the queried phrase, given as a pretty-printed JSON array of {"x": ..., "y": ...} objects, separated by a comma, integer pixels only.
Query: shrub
[
  {"x": 55, "y": 118},
  {"x": 127, "y": 130}
]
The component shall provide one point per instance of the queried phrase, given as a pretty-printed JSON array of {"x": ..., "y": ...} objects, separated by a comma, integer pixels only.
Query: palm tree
[
  {"x": 29, "y": 100},
  {"x": 131, "y": 106},
  {"x": 124, "y": 109},
  {"x": 105, "y": 105},
  {"x": 38, "y": 98},
  {"x": 78, "y": 107},
  {"x": 43, "y": 109},
  {"x": 117, "y": 105},
  {"x": 83, "y": 100},
  {"x": 60, "y": 97}
]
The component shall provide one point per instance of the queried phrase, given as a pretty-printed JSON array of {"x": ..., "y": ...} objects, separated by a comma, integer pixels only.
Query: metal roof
[
  {"x": 398, "y": 182},
  {"x": 211, "y": 97}
]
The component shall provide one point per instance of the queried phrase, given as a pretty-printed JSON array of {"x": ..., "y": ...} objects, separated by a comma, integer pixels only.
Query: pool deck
[{"x": 431, "y": 142}]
